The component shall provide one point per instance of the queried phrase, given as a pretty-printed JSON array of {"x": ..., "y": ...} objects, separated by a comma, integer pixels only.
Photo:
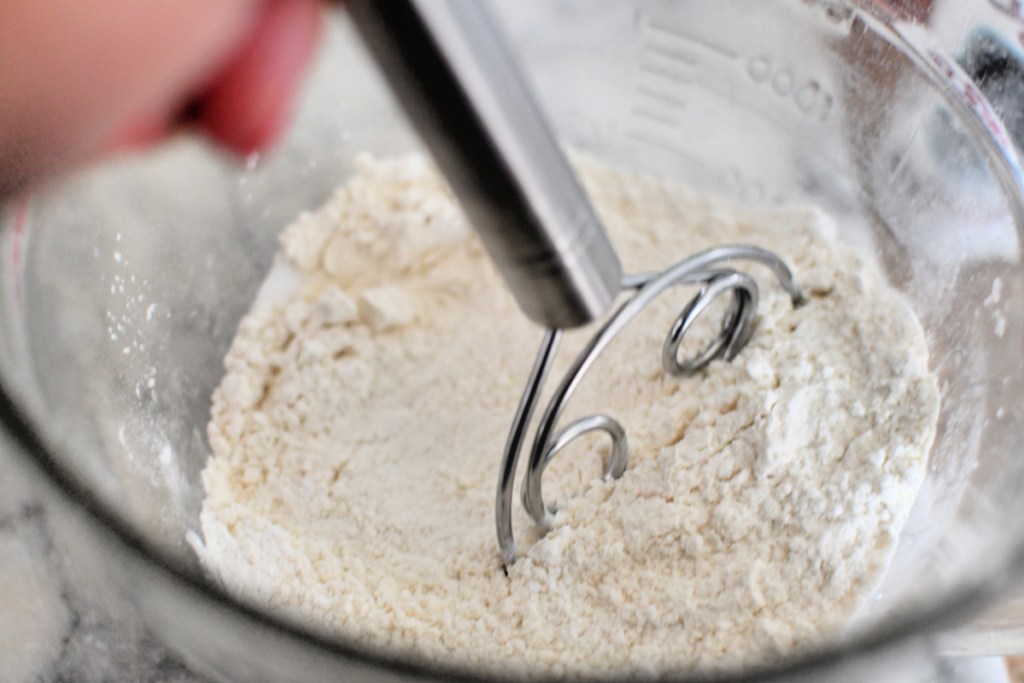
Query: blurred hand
[{"x": 81, "y": 77}]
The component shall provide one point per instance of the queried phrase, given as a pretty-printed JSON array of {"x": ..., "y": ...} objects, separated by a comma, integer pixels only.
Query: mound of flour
[{"x": 358, "y": 430}]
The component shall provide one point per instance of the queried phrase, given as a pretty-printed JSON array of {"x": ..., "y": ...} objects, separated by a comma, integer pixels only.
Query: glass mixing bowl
[{"x": 122, "y": 288}]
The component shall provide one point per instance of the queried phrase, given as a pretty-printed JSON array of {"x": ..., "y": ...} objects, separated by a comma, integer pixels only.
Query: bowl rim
[{"x": 895, "y": 630}]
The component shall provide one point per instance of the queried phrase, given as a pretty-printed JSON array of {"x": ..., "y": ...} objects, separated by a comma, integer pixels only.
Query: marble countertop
[{"x": 53, "y": 631}]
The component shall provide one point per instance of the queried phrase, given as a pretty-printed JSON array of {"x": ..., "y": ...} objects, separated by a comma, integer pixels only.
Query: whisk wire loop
[{"x": 736, "y": 328}]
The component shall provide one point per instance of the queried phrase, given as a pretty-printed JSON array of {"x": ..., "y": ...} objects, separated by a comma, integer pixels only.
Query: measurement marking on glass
[
  {"x": 655, "y": 116},
  {"x": 666, "y": 74},
  {"x": 782, "y": 79},
  {"x": 700, "y": 41},
  {"x": 673, "y": 54},
  {"x": 663, "y": 98}
]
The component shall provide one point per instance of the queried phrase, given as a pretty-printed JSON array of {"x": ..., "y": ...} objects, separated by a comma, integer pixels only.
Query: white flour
[{"x": 357, "y": 435}]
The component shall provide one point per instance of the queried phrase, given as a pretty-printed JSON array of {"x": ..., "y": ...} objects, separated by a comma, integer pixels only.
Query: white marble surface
[{"x": 51, "y": 630}]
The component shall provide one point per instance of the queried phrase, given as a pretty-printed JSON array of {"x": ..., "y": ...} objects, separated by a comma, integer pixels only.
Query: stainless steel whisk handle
[{"x": 451, "y": 70}]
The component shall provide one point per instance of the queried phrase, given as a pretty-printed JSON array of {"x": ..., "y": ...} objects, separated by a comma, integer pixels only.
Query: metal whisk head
[{"x": 736, "y": 329}]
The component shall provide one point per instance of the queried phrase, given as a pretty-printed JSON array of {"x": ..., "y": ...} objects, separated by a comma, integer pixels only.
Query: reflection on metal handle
[{"x": 450, "y": 69}]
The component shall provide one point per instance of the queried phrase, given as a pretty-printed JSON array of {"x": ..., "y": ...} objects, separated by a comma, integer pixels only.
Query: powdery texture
[{"x": 357, "y": 435}]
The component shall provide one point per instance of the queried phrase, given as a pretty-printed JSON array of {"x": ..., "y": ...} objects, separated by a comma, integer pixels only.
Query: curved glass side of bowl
[{"x": 120, "y": 290}]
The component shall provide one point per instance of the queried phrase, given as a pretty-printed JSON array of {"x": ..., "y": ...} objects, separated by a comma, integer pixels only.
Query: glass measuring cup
[{"x": 122, "y": 289}]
